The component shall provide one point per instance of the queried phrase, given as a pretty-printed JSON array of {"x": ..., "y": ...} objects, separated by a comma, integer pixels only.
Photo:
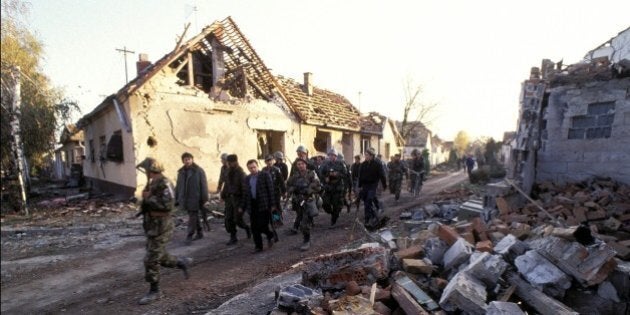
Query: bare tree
[{"x": 416, "y": 112}]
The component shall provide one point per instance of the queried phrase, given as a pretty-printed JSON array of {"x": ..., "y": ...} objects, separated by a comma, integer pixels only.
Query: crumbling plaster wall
[
  {"x": 185, "y": 119},
  {"x": 102, "y": 170},
  {"x": 561, "y": 159}
]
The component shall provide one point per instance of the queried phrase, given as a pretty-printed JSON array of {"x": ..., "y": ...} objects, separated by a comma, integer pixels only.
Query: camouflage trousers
[
  {"x": 395, "y": 185},
  {"x": 304, "y": 221},
  {"x": 158, "y": 231},
  {"x": 232, "y": 217}
]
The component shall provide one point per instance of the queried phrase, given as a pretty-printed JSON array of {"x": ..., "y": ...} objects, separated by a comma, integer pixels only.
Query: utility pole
[
  {"x": 125, "y": 52},
  {"x": 17, "y": 140}
]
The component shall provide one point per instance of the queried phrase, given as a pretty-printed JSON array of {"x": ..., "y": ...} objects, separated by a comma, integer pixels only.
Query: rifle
[{"x": 144, "y": 168}]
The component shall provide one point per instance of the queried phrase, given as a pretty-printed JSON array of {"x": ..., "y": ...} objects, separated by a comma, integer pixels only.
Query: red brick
[
  {"x": 447, "y": 234},
  {"x": 580, "y": 214},
  {"x": 410, "y": 252},
  {"x": 502, "y": 204},
  {"x": 484, "y": 246},
  {"x": 596, "y": 215},
  {"x": 468, "y": 236}
]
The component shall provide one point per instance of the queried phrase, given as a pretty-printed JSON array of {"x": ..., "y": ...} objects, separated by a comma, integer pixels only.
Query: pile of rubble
[{"x": 485, "y": 256}]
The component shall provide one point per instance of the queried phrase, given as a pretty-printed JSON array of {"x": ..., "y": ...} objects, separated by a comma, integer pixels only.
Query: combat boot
[
  {"x": 232, "y": 240},
  {"x": 154, "y": 294},
  {"x": 307, "y": 243},
  {"x": 198, "y": 236},
  {"x": 248, "y": 231},
  {"x": 183, "y": 264},
  {"x": 333, "y": 219}
]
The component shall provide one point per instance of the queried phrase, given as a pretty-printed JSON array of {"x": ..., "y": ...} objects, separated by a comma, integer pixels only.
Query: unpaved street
[{"x": 101, "y": 270}]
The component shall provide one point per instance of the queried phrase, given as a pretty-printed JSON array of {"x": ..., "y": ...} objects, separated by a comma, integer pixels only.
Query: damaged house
[
  {"x": 380, "y": 132},
  {"x": 574, "y": 121},
  {"x": 211, "y": 95},
  {"x": 70, "y": 153}
]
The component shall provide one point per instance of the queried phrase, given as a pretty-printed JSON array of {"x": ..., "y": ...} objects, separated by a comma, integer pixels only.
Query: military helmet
[
  {"x": 224, "y": 156},
  {"x": 302, "y": 149},
  {"x": 332, "y": 151},
  {"x": 340, "y": 156},
  {"x": 278, "y": 155},
  {"x": 156, "y": 167}
]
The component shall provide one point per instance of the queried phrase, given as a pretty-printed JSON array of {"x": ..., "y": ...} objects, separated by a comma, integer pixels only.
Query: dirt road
[{"x": 101, "y": 272}]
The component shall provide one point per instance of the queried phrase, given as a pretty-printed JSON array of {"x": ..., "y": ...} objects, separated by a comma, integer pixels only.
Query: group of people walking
[{"x": 311, "y": 185}]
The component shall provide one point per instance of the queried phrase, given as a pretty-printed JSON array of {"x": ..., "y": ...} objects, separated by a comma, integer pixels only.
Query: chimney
[
  {"x": 143, "y": 63},
  {"x": 308, "y": 83}
]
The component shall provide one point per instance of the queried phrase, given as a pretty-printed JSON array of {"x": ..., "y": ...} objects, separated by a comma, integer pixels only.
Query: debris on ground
[{"x": 486, "y": 255}]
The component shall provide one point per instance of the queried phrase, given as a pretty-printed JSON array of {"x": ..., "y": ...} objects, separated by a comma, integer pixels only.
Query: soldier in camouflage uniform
[
  {"x": 397, "y": 170},
  {"x": 335, "y": 180},
  {"x": 302, "y": 186},
  {"x": 157, "y": 205}
]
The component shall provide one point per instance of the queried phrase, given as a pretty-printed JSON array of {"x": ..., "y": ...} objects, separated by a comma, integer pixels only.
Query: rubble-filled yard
[{"x": 566, "y": 252}]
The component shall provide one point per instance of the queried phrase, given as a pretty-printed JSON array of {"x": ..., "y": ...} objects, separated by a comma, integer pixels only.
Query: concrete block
[
  {"x": 542, "y": 274},
  {"x": 465, "y": 293},
  {"x": 510, "y": 247},
  {"x": 417, "y": 266},
  {"x": 620, "y": 279},
  {"x": 471, "y": 209},
  {"x": 434, "y": 249},
  {"x": 457, "y": 254},
  {"x": 589, "y": 265},
  {"x": 504, "y": 308},
  {"x": 487, "y": 268},
  {"x": 607, "y": 291},
  {"x": 297, "y": 295}
]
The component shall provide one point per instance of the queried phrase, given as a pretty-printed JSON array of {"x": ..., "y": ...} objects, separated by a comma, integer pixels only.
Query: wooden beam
[
  {"x": 536, "y": 299},
  {"x": 406, "y": 301},
  {"x": 181, "y": 65},
  {"x": 191, "y": 77}
]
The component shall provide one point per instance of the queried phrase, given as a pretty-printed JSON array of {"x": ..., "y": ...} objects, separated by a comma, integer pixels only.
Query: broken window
[
  {"x": 269, "y": 141},
  {"x": 597, "y": 123},
  {"x": 115, "y": 147},
  {"x": 198, "y": 73},
  {"x": 322, "y": 141},
  {"x": 102, "y": 154},
  {"x": 365, "y": 144}
]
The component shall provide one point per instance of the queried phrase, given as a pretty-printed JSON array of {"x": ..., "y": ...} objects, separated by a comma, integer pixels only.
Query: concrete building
[
  {"x": 574, "y": 120},
  {"x": 211, "y": 95}
]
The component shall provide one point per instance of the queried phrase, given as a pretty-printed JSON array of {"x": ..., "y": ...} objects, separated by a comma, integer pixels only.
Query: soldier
[
  {"x": 416, "y": 168},
  {"x": 354, "y": 170},
  {"x": 302, "y": 154},
  {"x": 280, "y": 188},
  {"x": 348, "y": 187},
  {"x": 232, "y": 193},
  {"x": 302, "y": 186},
  {"x": 397, "y": 170},
  {"x": 191, "y": 194},
  {"x": 284, "y": 169},
  {"x": 223, "y": 173},
  {"x": 157, "y": 205},
  {"x": 370, "y": 172},
  {"x": 259, "y": 201},
  {"x": 335, "y": 178}
]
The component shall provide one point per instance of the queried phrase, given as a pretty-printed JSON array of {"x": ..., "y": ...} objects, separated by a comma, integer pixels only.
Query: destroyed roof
[
  {"x": 237, "y": 54},
  {"x": 70, "y": 133},
  {"x": 418, "y": 135},
  {"x": 373, "y": 123},
  {"x": 323, "y": 108}
]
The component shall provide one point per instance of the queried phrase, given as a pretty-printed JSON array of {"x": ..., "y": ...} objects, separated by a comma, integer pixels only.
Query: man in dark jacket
[
  {"x": 334, "y": 177},
  {"x": 354, "y": 171},
  {"x": 232, "y": 194},
  {"x": 280, "y": 164},
  {"x": 370, "y": 172},
  {"x": 280, "y": 188},
  {"x": 259, "y": 201},
  {"x": 191, "y": 193}
]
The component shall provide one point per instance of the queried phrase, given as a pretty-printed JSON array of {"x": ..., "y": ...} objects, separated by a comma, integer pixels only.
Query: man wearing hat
[
  {"x": 302, "y": 154},
  {"x": 157, "y": 205},
  {"x": 232, "y": 194},
  {"x": 302, "y": 186},
  {"x": 397, "y": 170},
  {"x": 284, "y": 169},
  {"x": 335, "y": 179},
  {"x": 191, "y": 194},
  {"x": 370, "y": 173}
]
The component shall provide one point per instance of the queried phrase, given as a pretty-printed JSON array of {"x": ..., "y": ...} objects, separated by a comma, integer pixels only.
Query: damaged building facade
[
  {"x": 574, "y": 120},
  {"x": 211, "y": 95}
]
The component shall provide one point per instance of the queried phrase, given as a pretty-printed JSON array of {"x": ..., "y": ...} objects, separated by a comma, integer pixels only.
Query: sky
[{"x": 469, "y": 57}]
